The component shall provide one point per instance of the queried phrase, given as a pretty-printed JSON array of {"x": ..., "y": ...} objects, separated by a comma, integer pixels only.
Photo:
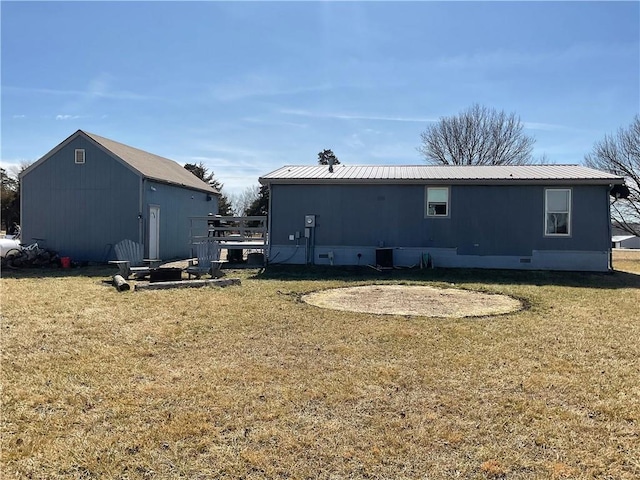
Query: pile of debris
[{"x": 30, "y": 256}]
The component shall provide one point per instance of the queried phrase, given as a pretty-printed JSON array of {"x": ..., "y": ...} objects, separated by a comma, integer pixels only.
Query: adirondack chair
[
  {"x": 207, "y": 259},
  {"x": 130, "y": 259}
]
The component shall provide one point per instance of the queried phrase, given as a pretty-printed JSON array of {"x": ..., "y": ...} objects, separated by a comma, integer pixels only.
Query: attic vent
[{"x": 79, "y": 155}]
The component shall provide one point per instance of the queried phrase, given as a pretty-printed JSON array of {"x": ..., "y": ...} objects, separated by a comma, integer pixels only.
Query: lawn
[{"x": 250, "y": 382}]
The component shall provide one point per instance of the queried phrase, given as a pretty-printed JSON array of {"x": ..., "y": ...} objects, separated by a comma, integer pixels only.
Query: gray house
[
  {"x": 89, "y": 192},
  {"x": 519, "y": 217}
]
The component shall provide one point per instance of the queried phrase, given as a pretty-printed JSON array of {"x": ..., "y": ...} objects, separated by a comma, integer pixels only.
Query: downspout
[
  {"x": 268, "y": 239},
  {"x": 140, "y": 212},
  {"x": 20, "y": 177},
  {"x": 610, "y": 229}
]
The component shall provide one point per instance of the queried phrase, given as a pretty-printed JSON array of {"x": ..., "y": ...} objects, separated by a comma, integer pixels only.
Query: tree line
[
  {"x": 9, "y": 199},
  {"x": 249, "y": 202},
  {"x": 252, "y": 201}
]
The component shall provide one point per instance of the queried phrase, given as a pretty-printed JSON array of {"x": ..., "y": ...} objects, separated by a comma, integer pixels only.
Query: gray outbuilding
[
  {"x": 550, "y": 217},
  {"x": 621, "y": 238},
  {"x": 89, "y": 193}
]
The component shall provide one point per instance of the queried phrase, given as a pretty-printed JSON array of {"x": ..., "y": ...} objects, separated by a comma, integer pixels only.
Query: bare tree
[
  {"x": 620, "y": 154},
  {"x": 477, "y": 136},
  {"x": 260, "y": 206},
  {"x": 240, "y": 202}
]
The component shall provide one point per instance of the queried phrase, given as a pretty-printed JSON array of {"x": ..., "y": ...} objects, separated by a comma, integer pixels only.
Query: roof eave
[
  {"x": 441, "y": 181},
  {"x": 182, "y": 185}
]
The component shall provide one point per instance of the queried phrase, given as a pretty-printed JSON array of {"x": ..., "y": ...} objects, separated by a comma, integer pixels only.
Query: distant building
[
  {"x": 622, "y": 239},
  {"x": 89, "y": 192},
  {"x": 552, "y": 217}
]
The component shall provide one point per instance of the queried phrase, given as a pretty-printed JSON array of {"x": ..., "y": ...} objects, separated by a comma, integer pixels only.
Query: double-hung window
[
  {"x": 557, "y": 209},
  {"x": 437, "y": 202}
]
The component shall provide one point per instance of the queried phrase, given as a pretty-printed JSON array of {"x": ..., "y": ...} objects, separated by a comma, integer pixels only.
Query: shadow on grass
[
  {"x": 612, "y": 280},
  {"x": 58, "y": 272}
]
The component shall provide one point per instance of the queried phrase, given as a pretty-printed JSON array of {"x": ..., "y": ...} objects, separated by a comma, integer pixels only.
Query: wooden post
[
  {"x": 120, "y": 283},
  {"x": 213, "y": 282}
]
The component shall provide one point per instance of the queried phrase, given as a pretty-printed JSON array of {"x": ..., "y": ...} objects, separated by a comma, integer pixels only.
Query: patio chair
[
  {"x": 207, "y": 259},
  {"x": 130, "y": 259}
]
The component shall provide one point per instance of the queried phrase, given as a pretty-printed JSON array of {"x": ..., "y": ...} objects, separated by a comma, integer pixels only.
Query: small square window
[
  {"x": 79, "y": 155},
  {"x": 437, "y": 201}
]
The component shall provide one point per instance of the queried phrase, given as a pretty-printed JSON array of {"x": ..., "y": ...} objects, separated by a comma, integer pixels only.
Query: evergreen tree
[
  {"x": 260, "y": 206},
  {"x": 327, "y": 157},
  {"x": 9, "y": 198},
  {"x": 202, "y": 172}
]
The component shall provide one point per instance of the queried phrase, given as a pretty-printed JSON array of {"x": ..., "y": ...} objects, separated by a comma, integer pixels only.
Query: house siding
[
  {"x": 80, "y": 210},
  {"x": 487, "y": 226},
  {"x": 177, "y": 205}
]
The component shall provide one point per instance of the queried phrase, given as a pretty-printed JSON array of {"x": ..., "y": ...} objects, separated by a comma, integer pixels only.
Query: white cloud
[
  {"x": 260, "y": 85},
  {"x": 13, "y": 167},
  {"x": 354, "y": 141},
  {"x": 543, "y": 126},
  {"x": 236, "y": 168},
  {"x": 505, "y": 59},
  {"x": 350, "y": 116},
  {"x": 67, "y": 117},
  {"x": 273, "y": 123},
  {"x": 99, "y": 87}
]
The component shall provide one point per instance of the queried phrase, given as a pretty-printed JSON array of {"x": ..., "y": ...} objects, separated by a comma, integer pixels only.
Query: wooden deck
[{"x": 231, "y": 233}]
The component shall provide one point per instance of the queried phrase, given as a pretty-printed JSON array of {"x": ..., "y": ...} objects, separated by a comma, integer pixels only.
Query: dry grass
[
  {"x": 250, "y": 382},
  {"x": 413, "y": 300},
  {"x": 627, "y": 260}
]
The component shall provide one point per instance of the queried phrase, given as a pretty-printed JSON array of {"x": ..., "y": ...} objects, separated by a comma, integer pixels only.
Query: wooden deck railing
[{"x": 230, "y": 230}]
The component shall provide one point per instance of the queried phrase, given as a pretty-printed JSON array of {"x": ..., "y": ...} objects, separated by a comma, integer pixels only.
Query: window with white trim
[
  {"x": 437, "y": 202},
  {"x": 557, "y": 209},
  {"x": 79, "y": 155}
]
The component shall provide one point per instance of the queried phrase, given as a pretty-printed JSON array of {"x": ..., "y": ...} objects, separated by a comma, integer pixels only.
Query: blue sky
[{"x": 247, "y": 87}]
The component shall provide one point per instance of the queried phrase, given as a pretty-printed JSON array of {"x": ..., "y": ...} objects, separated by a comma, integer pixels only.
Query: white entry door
[{"x": 154, "y": 232}]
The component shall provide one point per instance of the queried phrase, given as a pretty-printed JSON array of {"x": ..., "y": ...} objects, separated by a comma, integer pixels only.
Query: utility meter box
[{"x": 309, "y": 220}]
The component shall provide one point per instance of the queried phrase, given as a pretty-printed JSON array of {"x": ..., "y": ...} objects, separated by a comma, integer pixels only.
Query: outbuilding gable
[{"x": 144, "y": 164}]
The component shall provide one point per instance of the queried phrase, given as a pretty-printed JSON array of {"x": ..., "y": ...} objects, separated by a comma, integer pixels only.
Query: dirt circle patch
[{"x": 415, "y": 300}]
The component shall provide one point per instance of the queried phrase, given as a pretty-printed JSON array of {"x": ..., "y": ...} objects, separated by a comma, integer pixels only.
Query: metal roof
[
  {"x": 486, "y": 174},
  {"x": 150, "y": 165},
  {"x": 621, "y": 238}
]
